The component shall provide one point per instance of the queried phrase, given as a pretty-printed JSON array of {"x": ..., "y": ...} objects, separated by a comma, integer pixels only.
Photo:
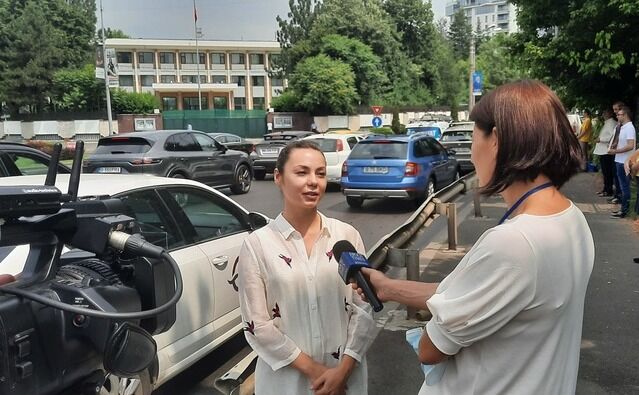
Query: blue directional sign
[
  {"x": 478, "y": 83},
  {"x": 377, "y": 122}
]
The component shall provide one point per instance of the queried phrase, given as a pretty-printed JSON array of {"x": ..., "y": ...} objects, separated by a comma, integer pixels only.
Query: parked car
[
  {"x": 232, "y": 141},
  {"x": 336, "y": 148},
  {"x": 173, "y": 153},
  {"x": 460, "y": 139},
  {"x": 402, "y": 167},
  {"x": 203, "y": 230},
  {"x": 266, "y": 151},
  {"x": 17, "y": 159}
]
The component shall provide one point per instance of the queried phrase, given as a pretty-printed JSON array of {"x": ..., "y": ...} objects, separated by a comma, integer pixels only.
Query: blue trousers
[{"x": 624, "y": 184}]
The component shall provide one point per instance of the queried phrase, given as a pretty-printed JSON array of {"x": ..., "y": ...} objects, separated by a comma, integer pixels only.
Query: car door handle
[
  {"x": 182, "y": 159},
  {"x": 220, "y": 261}
]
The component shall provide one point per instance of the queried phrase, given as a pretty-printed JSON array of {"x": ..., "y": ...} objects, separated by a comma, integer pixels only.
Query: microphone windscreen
[{"x": 341, "y": 247}]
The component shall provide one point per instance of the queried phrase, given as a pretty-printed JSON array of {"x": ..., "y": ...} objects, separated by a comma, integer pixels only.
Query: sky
[{"x": 218, "y": 19}]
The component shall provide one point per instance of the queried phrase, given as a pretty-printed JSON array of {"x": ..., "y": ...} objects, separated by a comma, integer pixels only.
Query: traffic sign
[
  {"x": 478, "y": 83},
  {"x": 377, "y": 122},
  {"x": 377, "y": 110}
]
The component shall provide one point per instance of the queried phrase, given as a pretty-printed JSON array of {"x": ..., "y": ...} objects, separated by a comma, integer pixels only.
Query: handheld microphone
[{"x": 350, "y": 265}]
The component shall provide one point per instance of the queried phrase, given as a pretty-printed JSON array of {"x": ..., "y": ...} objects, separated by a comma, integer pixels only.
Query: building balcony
[{"x": 167, "y": 66}]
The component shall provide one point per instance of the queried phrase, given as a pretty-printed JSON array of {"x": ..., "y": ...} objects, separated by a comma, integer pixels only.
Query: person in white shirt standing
[
  {"x": 606, "y": 160},
  {"x": 625, "y": 148},
  {"x": 309, "y": 329},
  {"x": 508, "y": 318}
]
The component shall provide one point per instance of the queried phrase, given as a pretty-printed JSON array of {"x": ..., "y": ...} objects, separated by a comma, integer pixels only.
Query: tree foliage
[
  {"x": 37, "y": 38},
  {"x": 296, "y": 28},
  {"x": 77, "y": 90},
  {"x": 460, "y": 34},
  {"x": 111, "y": 33},
  {"x": 495, "y": 58},
  {"x": 124, "y": 102},
  {"x": 587, "y": 50}
]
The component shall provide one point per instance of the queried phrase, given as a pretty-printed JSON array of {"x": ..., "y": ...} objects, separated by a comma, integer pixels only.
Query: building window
[
  {"x": 274, "y": 60},
  {"x": 218, "y": 58},
  {"x": 258, "y": 103},
  {"x": 218, "y": 79},
  {"x": 257, "y": 58},
  {"x": 220, "y": 103},
  {"x": 240, "y": 103},
  {"x": 167, "y": 57},
  {"x": 190, "y": 58},
  {"x": 257, "y": 81},
  {"x": 126, "y": 80},
  {"x": 169, "y": 103},
  {"x": 237, "y": 58},
  {"x": 168, "y": 79},
  {"x": 277, "y": 82},
  {"x": 145, "y": 57},
  {"x": 191, "y": 103},
  {"x": 125, "y": 57},
  {"x": 147, "y": 80},
  {"x": 240, "y": 80},
  {"x": 192, "y": 79}
]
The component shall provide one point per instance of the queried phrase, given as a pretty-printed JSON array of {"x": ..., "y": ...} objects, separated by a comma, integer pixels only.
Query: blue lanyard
[{"x": 521, "y": 200}]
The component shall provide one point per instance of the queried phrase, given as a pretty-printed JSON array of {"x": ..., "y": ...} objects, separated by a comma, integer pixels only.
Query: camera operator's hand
[{"x": 6, "y": 279}]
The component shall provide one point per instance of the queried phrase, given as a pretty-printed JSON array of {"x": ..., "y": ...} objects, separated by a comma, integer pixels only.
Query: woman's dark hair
[
  {"x": 282, "y": 158},
  {"x": 533, "y": 134}
]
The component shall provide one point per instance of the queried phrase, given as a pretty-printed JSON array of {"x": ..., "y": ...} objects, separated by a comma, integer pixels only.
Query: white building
[
  {"x": 487, "y": 15},
  {"x": 233, "y": 74}
]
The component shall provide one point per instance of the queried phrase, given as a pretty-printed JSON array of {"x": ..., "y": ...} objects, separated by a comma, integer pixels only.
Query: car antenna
[
  {"x": 76, "y": 168},
  {"x": 52, "y": 172}
]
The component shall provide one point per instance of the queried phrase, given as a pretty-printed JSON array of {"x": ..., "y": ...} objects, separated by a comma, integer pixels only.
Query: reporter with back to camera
[
  {"x": 508, "y": 319},
  {"x": 309, "y": 329}
]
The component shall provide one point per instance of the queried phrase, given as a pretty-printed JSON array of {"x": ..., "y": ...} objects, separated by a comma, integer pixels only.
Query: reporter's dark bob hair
[{"x": 533, "y": 134}]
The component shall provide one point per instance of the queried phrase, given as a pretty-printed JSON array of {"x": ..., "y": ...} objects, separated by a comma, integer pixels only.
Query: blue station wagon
[{"x": 402, "y": 167}]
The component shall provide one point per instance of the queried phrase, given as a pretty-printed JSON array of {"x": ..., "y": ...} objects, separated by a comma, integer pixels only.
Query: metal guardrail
[{"x": 399, "y": 237}]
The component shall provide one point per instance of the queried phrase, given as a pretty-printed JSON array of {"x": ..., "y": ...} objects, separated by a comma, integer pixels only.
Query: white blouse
[{"x": 292, "y": 303}]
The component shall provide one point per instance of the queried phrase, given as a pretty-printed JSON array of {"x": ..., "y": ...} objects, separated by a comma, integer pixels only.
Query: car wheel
[
  {"x": 242, "y": 180},
  {"x": 354, "y": 202},
  {"x": 177, "y": 175},
  {"x": 430, "y": 188},
  {"x": 259, "y": 174},
  {"x": 115, "y": 385}
]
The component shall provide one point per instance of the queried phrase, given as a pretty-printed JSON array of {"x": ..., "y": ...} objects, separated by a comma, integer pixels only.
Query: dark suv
[
  {"x": 18, "y": 159},
  {"x": 173, "y": 153},
  {"x": 267, "y": 151}
]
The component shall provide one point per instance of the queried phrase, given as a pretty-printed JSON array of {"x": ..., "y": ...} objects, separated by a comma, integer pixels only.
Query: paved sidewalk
[{"x": 610, "y": 346}]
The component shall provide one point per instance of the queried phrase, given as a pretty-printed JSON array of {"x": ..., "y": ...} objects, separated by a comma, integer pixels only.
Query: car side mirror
[
  {"x": 220, "y": 147},
  {"x": 257, "y": 220},
  {"x": 451, "y": 152}
]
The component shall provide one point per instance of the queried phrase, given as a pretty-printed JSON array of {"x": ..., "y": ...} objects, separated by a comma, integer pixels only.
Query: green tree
[
  {"x": 460, "y": 34},
  {"x": 124, "y": 102},
  {"x": 111, "y": 33},
  {"x": 301, "y": 16},
  {"x": 587, "y": 50},
  {"x": 77, "y": 90},
  {"x": 324, "y": 86},
  {"x": 498, "y": 63},
  {"x": 370, "y": 80}
]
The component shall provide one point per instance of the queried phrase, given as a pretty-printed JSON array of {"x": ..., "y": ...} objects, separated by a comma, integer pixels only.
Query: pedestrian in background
[
  {"x": 584, "y": 137},
  {"x": 309, "y": 329},
  {"x": 508, "y": 318},
  {"x": 624, "y": 150},
  {"x": 606, "y": 160},
  {"x": 616, "y": 107}
]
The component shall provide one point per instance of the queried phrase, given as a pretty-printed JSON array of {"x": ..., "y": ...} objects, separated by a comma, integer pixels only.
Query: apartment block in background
[{"x": 489, "y": 16}]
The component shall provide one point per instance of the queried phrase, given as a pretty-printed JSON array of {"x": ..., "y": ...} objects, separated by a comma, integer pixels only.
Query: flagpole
[
  {"x": 197, "y": 55},
  {"x": 106, "y": 73}
]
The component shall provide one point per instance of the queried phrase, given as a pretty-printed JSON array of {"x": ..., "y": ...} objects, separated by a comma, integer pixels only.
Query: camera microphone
[{"x": 350, "y": 265}]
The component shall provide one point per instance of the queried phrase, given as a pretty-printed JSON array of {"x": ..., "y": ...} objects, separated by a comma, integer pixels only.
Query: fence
[{"x": 245, "y": 123}]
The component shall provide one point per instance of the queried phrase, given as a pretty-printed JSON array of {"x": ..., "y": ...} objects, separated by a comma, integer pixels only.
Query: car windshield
[
  {"x": 384, "y": 149},
  {"x": 326, "y": 145},
  {"x": 123, "y": 145},
  {"x": 458, "y": 136}
]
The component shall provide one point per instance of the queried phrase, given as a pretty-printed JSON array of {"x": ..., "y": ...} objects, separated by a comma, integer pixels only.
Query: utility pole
[
  {"x": 197, "y": 55},
  {"x": 471, "y": 95},
  {"x": 106, "y": 73}
]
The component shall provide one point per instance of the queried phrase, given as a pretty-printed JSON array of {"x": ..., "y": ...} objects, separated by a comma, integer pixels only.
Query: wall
[
  {"x": 55, "y": 130},
  {"x": 127, "y": 122}
]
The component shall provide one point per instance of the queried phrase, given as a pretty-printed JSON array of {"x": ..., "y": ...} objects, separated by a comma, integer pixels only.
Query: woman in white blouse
[{"x": 309, "y": 329}]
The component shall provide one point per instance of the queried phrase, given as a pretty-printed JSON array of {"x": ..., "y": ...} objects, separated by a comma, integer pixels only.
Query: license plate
[
  {"x": 462, "y": 150},
  {"x": 375, "y": 170},
  {"x": 269, "y": 151},
  {"x": 108, "y": 170}
]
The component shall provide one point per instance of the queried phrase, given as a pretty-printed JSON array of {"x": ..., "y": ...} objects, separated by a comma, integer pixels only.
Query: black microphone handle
[{"x": 368, "y": 291}]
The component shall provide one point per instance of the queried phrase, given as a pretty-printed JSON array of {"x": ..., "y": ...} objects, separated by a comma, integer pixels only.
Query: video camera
[{"x": 68, "y": 321}]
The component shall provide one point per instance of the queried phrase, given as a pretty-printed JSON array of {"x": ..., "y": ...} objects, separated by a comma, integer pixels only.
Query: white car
[
  {"x": 336, "y": 148},
  {"x": 203, "y": 230}
]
